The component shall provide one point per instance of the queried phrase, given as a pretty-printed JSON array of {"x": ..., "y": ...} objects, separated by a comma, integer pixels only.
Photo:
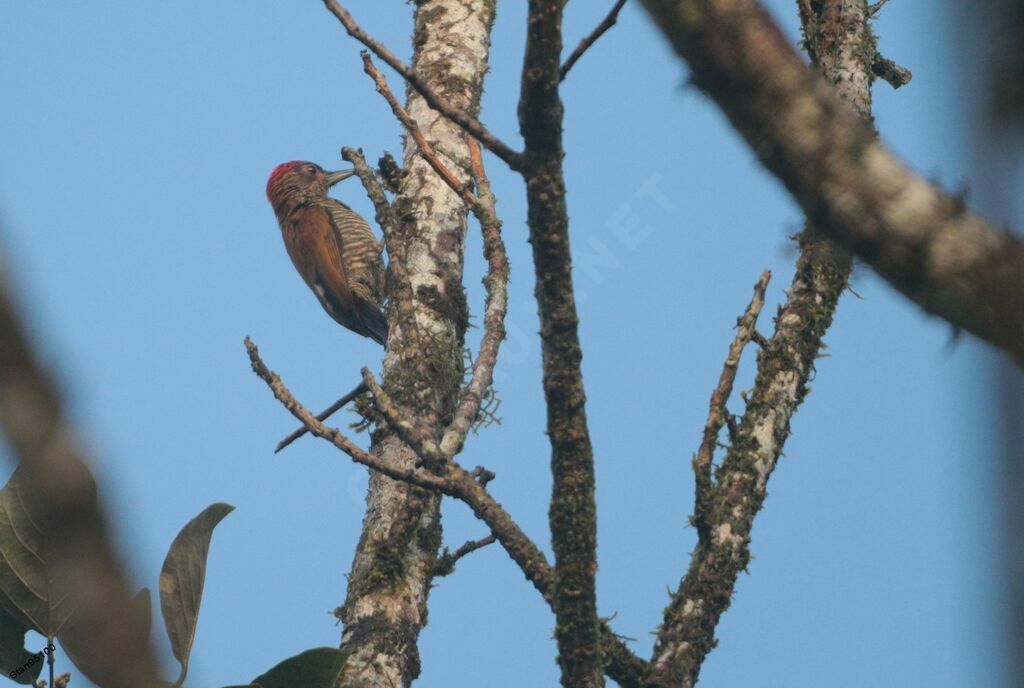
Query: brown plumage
[{"x": 331, "y": 246}]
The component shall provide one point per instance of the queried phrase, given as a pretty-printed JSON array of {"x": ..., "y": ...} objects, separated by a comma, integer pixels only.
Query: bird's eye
[{"x": 311, "y": 169}]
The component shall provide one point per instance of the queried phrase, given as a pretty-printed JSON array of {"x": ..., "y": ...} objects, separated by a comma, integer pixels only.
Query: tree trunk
[{"x": 386, "y": 606}]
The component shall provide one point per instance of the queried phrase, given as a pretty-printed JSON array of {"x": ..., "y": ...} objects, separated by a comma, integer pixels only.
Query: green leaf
[
  {"x": 13, "y": 655},
  {"x": 182, "y": 579},
  {"x": 316, "y": 668}
]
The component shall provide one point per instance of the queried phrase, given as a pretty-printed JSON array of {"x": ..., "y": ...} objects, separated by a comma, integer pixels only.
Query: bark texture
[
  {"x": 386, "y": 606},
  {"x": 573, "y": 511},
  {"x": 927, "y": 244},
  {"x": 836, "y": 34}
]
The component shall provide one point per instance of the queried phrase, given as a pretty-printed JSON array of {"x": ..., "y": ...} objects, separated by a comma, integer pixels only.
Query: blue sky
[{"x": 135, "y": 146}]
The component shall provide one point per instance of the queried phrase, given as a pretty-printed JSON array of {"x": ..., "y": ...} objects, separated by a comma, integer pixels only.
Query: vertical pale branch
[
  {"x": 395, "y": 560},
  {"x": 718, "y": 413},
  {"x": 496, "y": 285},
  {"x": 573, "y": 512},
  {"x": 837, "y": 34}
]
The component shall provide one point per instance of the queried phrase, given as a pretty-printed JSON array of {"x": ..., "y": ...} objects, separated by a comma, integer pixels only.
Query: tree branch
[
  {"x": 889, "y": 71},
  {"x": 875, "y": 7},
  {"x": 573, "y": 510},
  {"x": 416, "y": 436},
  {"x": 426, "y": 150},
  {"x": 731, "y": 503},
  {"x": 390, "y": 580},
  {"x": 322, "y": 416},
  {"x": 460, "y": 117},
  {"x": 835, "y": 31},
  {"x": 607, "y": 23},
  {"x": 949, "y": 260},
  {"x": 446, "y": 562},
  {"x": 495, "y": 308},
  {"x": 717, "y": 413},
  {"x": 281, "y": 392},
  {"x": 496, "y": 281}
]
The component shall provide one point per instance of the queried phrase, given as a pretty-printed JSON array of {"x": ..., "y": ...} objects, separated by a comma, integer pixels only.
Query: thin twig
[
  {"x": 717, "y": 413},
  {"x": 384, "y": 213},
  {"x": 332, "y": 435},
  {"x": 322, "y": 416},
  {"x": 470, "y": 124},
  {"x": 426, "y": 150},
  {"x": 446, "y": 562},
  {"x": 496, "y": 282},
  {"x": 496, "y": 306},
  {"x": 459, "y": 483},
  {"x": 875, "y": 7},
  {"x": 608, "y": 22}
]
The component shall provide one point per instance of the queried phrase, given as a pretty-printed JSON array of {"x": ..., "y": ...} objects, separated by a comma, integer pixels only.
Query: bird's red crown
[{"x": 279, "y": 171}]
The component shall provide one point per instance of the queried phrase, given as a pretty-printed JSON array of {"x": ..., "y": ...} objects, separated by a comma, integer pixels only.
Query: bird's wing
[
  {"x": 361, "y": 254},
  {"x": 316, "y": 250}
]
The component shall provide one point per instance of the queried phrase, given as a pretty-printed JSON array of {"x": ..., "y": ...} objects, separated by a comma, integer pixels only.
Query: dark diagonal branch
[
  {"x": 463, "y": 119},
  {"x": 322, "y": 416},
  {"x": 947, "y": 259},
  {"x": 416, "y": 477},
  {"x": 717, "y": 413},
  {"x": 607, "y": 23},
  {"x": 620, "y": 663},
  {"x": 446, "y": 562}
]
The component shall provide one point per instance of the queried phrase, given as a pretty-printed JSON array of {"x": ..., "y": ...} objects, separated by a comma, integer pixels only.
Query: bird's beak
[{"x": 335, "y": 177}]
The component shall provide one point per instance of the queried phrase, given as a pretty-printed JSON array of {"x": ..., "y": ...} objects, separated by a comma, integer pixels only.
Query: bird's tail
[{"x": 376, "y": 323}]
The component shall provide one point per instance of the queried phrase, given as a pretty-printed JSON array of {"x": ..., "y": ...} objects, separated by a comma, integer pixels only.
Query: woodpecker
[{"x": 331, "y": 246}]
